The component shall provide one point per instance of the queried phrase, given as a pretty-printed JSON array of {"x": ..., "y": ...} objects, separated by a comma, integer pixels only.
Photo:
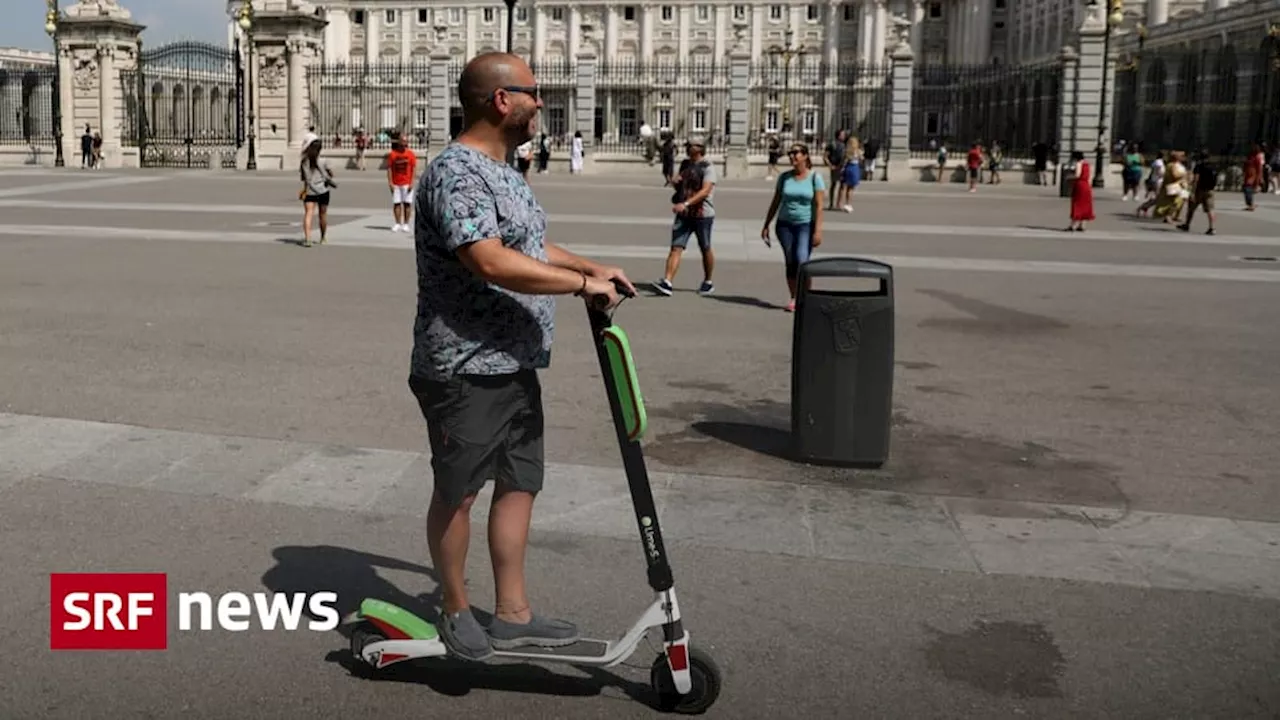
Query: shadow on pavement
[
  {"x": 353, "y": 575},
  {"x": 744, "y": 300},
  {"x": 772, "y": 441}
]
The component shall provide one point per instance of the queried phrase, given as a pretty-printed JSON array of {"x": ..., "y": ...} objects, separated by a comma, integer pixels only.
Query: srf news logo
[{"x": 130, "y": 611}]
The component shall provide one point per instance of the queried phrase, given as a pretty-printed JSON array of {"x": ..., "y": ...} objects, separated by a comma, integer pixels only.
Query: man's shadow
[{"x": 353, "y": 575}]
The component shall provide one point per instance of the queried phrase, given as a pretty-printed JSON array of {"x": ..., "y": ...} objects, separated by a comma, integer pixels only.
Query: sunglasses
[
  {"x": 795, "y": 152},
  {"x": 530, "y": 90}
]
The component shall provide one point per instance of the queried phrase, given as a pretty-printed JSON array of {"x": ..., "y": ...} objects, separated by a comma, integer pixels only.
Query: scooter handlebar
[{"x": 601, "y": 302}]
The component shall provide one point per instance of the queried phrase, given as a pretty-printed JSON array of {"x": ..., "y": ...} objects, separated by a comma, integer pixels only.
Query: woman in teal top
[
  {"x": 1132, "y": 171},
  {"x": 797, "y": 203}
]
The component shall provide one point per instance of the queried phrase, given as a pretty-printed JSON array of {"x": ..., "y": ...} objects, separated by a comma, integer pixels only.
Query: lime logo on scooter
[{"x": 647, "y": 523}]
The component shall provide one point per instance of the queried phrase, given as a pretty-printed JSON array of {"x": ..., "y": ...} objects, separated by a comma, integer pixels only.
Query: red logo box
[{"x": 108, "y": 611}]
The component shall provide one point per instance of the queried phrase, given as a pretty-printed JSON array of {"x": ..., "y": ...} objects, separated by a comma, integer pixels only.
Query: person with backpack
[
  {"x": 797, "y": 203},
  {"x": 694, "y": 211}
]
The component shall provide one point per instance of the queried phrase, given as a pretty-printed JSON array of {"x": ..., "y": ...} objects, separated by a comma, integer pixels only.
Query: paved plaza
[{"x": 1080, "y": 516}]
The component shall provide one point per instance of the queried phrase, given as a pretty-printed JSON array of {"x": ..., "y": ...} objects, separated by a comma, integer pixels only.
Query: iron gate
[{"x": 185, "y": 105}]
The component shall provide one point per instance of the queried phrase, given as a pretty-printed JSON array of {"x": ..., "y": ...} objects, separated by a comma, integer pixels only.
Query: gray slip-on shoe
[{"x": 539, "y": 632}]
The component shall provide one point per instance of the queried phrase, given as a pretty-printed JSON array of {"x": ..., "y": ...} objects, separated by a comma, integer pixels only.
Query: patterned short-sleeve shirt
[{"x": 466, "y": 325}]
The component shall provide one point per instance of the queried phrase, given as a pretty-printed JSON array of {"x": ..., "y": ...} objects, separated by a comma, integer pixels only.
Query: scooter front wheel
[
  {"x": 705, "y": 677},
  {"x": 361, "y": 636}
]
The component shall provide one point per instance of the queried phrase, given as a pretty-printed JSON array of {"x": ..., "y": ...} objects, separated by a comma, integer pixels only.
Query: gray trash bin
[
  {"x": 842, "y": 365},
  {"x": 1067, "y": 177}
]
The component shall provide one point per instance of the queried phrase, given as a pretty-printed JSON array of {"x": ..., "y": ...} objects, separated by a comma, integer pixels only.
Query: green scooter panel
[
  {"x": 623, "y": 368},
  {"x": 397, "y": 617}
]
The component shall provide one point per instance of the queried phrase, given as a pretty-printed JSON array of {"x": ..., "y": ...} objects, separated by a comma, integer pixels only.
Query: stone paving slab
[{"x": 1107, "y": 545}]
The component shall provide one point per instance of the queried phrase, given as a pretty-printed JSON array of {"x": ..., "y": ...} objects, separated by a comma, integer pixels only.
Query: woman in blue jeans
[{"x": 797, "y": 203}]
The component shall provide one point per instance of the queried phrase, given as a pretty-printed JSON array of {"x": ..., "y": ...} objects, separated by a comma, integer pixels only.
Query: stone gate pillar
[
  {"x": 584, "y": 119},
  {"x": 897, "y": 164},
  {"x": 97, "y": 41},
  {"x": 285, "y": 41}
]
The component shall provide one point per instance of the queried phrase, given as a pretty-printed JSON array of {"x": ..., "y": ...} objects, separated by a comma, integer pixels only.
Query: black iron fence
[
  {"x": 377, "y": 100},
  {"x": 957, "y": 105},
  {"x": 682, "y": 100},
  {"x": 811, "y": 102},
  {"x": 183, "y": 106},
  {"x": 26, "y": 106},
  {"x": 1193, "y": 99}
]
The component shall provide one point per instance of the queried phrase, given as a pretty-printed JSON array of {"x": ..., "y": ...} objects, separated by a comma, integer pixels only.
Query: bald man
[{"x": 486, "y": 285}]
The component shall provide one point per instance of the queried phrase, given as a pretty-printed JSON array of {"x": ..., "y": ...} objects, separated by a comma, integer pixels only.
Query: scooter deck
[{"x": 583, "y": 648}]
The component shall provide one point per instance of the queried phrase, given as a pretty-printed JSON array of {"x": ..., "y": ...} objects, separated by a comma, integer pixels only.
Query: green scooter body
[{"x": 385, "y": 614}]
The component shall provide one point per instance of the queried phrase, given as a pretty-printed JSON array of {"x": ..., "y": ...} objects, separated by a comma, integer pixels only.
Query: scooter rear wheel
[{"x": 705, "y": 675}]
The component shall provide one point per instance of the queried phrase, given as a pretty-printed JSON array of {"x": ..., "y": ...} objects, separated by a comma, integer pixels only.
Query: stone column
[
  {"x": 573, "y": 33},
  {"x": 610, "y": 32},
  {"x": 831, "y": 47},
  {"x": 438, "y": 93},
  {"x": 684, "y": 31},
  {"x": 285, "y": 43},
  {"x": 584, "y": 111},
  {"x": 1091, "y": 105},
  {"x": 539, "y": 48},
  {"x": 868, "y": 32},
  {"x": 880, "y": 42},
  {"x": 372, "y": 35},
  {"x": 736, "y": 162},
  {"x": 646, "y": 33},
  {"x": 719, "y": 26},
  {"x": 917, "y": 28},
  {"x": 897, "y": 152},
  {"x": 1157, "y": 12},
  {"x": 96, "y": 43},
  {"x": 1068, "y": 115}
]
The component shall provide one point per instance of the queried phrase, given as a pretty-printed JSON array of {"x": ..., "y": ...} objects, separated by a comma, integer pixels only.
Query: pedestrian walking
[
  {"x": 1253, "y": 172},
  {"x": 797, "y": 204},
  {"x": 487, "y": 281},
  {"x": 524, "y": 158},
  {"x": 668, "y": 153},
  {"x": 1081, "y": 193},
  {"x": 576, "y": 153},
  {"x": 544, "y": 153},
  {"x": 851, "y": 175},
  {"x": 974, "y": 163},
  {"x": 86, "y": 149},
  {"x": 317, "y": 180},
  {"x": 835, "y": 157},
  {"x": 1132, "y": 173},
  {"x": 402, "y": 165},
  {"x": 1204, "y": 182},
  {"x": 694, "y": 210},
  {"x": 995, "y": 160},
  {"x": 1172, "y": 192},
  {"x": 774, "y": 149}
]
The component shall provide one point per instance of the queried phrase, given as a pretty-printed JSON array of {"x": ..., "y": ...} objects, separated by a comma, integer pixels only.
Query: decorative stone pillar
[
  {"x": 584, "y": 119},
  {"x": 97, "y": 40},
  {"x": 1068, "y": 114},
  {"x": 737, "y": 164},
  {"x": 1089, "y": 103},
  {"x": 438, "y": 93},
  {"x": 286, "y": 41},
  {"x": 897, "y": 152}
]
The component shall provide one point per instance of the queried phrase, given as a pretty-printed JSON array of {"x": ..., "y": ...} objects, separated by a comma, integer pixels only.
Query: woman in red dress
[{"x": 1081, "y": 194}]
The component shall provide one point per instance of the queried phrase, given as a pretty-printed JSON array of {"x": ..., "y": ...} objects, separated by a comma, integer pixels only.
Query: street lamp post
[
  {"x": 1115, "y": 16},
  {"x": 245, "y": 21},
  {"x": 51, "y": 27},
  {"x": 511, "y": 38},
  {"x": 786, "y": 53}
]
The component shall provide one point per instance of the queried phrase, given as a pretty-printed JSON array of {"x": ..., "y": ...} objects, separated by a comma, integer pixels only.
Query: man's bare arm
[
  {"x": 560, "y": 257},
  {"x": 513, "y": 270}
]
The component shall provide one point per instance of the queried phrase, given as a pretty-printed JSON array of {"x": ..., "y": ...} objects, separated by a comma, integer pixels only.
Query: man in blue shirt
[{"x": 486, "y": 281}]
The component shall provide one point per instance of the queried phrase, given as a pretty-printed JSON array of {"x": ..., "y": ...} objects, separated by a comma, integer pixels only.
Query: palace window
[
  {"x": 557, "y": 14},
  {"x": 703, "y": 13},
  {"x": 629, "y": 13},
  {"x": 487, "y": 15},
  {"x": 775, "y": 12},
  {"x": 668, "y": 13},
  {"x": 390, "y": 17},
  {"x": 739, "y": 12},
  {"x": 813, "y": 13},
  {"x": 423, "y": 17}
]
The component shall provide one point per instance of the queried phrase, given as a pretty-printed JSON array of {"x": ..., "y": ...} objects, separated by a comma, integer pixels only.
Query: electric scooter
[{"x": 686, "y": 679}]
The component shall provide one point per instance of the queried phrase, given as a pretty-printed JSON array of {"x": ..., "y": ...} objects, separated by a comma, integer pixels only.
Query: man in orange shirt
[{"x": 401, "y": 165}]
